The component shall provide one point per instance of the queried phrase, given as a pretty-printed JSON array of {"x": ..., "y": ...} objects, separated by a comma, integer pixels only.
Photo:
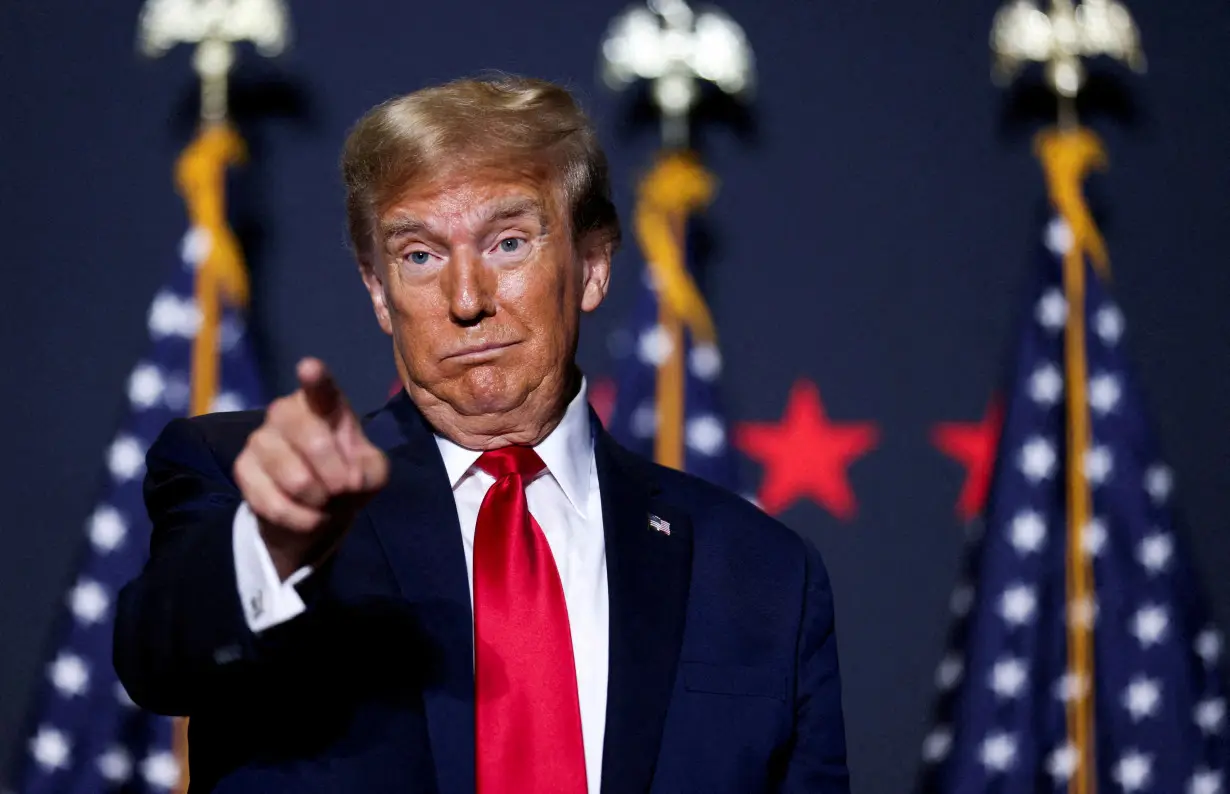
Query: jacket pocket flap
[{"x": 718, "y": 679}]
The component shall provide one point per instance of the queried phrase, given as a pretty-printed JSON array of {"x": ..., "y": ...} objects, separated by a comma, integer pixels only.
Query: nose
[{"x": 470, "y": 287}]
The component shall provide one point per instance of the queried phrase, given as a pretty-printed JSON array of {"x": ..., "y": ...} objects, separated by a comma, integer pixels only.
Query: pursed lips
[{"x": 478, "y": 351}]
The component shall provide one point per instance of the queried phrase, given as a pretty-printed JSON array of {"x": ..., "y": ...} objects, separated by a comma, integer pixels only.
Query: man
[{"x": 474, "y": 588}]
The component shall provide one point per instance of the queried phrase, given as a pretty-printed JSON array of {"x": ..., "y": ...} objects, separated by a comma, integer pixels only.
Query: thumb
[
  {"x": 350, "y": 437},
  {"x": 375, "y": 467}
]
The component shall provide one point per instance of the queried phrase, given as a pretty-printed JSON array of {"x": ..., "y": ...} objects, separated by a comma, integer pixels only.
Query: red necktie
[{"x": 527, "y": 717}]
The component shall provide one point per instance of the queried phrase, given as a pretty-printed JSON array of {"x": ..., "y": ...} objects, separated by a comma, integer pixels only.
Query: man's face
[{"x": 481, "y": 287}]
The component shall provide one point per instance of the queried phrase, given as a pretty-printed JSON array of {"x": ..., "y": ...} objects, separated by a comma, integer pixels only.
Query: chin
[{"x": 489, "y": 390}]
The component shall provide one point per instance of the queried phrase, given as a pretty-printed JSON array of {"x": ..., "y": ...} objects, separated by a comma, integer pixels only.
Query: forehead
[{"x": 469, "y": 195}]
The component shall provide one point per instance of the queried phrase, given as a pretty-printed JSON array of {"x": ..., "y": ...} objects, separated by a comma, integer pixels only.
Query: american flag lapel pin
[{"x": 659, "y": 524}]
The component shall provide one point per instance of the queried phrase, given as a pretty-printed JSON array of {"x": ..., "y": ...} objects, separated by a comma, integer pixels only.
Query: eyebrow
[
  {"x": 508, "y": 209},
  {"x": 500, "y": 210}
]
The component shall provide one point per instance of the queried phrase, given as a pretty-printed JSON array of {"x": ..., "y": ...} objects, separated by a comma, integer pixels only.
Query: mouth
[{"x": 473, "y": 354}]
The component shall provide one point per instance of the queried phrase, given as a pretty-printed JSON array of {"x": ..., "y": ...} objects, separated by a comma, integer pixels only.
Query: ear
[
  {"x": 596, "y": 252},
  {"x": 375, "y": 289}
]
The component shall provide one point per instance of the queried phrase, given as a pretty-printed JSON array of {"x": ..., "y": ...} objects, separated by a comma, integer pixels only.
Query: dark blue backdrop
[{"x": 871, "y": 234}]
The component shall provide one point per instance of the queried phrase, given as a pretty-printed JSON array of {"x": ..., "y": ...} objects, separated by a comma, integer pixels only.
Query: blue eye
[
  {"x": 418, "y": 257},
  {"x": 510, "y": 245}
]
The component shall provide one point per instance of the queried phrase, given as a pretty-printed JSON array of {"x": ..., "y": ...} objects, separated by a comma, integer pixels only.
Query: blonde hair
[{"x": 471, "y": 123}]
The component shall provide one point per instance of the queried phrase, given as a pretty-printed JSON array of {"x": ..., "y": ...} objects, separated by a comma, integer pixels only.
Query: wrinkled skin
[{"x": 480, "y": 284}]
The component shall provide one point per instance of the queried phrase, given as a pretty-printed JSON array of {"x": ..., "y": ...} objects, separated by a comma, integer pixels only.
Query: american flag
[
  {"x": 648, "y": 346},
  {"x": 1008, "y": 680},
  {"x": 84, "y": 734}
]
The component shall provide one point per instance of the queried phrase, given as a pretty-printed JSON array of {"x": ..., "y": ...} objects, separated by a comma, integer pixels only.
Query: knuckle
[
  {"x": 257, "y": 443},
  {"x": 295, "y": 481},
  {"x": 266, "y": 449},
  {"x": 251, "y": 445},
  {"x": 318, "y": 444},
  {"x": 280, "y": 410},
  {"x": 264, "y": 508},
  {"x": 279, "y": 514},
  {"x": 283, "y": 514}
]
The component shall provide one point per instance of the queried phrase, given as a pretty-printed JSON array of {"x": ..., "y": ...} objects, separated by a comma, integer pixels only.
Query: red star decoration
[
  {"x": 806, "y": 455},
  {"x": 973, "y": 445}
]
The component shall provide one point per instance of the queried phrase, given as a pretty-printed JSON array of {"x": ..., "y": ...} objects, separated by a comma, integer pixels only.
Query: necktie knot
[{"x": 511, "y": 460}]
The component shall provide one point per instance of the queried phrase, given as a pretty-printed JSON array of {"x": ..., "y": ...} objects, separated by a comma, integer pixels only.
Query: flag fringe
[
  {"x": 674, "y": 188},
  {"x": 221, "y": 277},
  {"x": 1067, "y": 156}
]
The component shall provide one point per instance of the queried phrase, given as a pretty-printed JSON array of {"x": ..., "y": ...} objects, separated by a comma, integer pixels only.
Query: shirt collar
[{"x": 567, "y": 451}]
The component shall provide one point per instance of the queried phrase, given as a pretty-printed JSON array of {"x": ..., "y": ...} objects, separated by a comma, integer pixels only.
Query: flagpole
[
  {"x": 658, "y": 43},
  {"x": 1068, "y": 153},
  {"x": 214, "y": 27}
]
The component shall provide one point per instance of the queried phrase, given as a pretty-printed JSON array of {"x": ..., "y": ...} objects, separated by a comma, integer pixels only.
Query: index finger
[{"x": 324, "y": 397}]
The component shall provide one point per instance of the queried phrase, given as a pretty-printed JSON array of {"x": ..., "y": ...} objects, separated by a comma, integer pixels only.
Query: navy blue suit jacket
[{"x": 723, "y": 669}]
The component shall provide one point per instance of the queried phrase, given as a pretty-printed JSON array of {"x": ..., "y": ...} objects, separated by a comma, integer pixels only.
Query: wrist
[{"x": 288, "y": 550}]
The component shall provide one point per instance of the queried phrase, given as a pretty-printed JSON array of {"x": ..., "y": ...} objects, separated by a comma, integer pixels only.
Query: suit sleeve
[
  {"x": 181, "y": 636},
  {"x": 817, "y": 764}
]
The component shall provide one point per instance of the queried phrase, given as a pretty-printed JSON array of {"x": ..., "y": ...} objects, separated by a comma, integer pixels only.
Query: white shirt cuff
[{"x": 267, "y": 600}]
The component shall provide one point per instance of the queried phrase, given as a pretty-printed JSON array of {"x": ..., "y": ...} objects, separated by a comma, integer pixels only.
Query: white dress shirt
[{"x": 566, "y": 503}]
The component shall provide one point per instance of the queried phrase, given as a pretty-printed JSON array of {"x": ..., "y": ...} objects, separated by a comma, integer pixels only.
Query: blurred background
[{"x": 871, "y": 243}]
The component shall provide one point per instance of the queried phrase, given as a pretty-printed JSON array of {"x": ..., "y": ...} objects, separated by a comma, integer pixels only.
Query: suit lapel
[
  {"x": 648, "y": 574},
  {"x": 415, "y": 519}
]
